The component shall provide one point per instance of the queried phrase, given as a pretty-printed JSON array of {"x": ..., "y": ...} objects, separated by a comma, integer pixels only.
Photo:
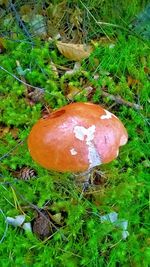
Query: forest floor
[{"x": 44, "y": 66}]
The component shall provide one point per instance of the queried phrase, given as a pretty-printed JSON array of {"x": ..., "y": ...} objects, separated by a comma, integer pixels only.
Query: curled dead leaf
[{"x": 75, "y": 52}]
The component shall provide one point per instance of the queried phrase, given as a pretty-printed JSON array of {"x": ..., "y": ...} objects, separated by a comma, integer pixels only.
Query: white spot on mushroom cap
[
  {"x": 123, "y": 140},
  {"x": 93, "y": 155},
  {"x": 117, "y": 153},
  {"x": 107, "y": 116},
  {"x": 81, "y": 132},
  {"x": 73, "y": 152}
]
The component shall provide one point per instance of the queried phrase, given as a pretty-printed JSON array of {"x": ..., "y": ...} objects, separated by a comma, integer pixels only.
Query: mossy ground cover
[{"x": 78, "y": 237}]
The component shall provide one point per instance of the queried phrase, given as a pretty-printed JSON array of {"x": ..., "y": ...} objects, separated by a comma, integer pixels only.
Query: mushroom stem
[
  {"x": 84, "y": 179},
  {"x": 91, "y": 178},
  {"x": 87, "y": 182}
]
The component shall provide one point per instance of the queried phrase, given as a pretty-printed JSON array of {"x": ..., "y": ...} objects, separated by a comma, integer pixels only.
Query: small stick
[
  {"x": 19, "y": 80},
  {"x": 121, "y": 101},
  {"x": 19, "y": 21},
  {"x": 11, "y": 150}
]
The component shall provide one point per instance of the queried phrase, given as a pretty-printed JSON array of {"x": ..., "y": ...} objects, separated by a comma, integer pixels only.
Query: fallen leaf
[
  {"x": 72, "y": 92},
  {"x": 54, "y": 69},
  {"x": 112, "y": 217},
  {"x": 75, "y": 69},
  {"x": 75, "y": 52},
  {"x": 5, "y": 130},
  {"x": 57, "y": 218},
  {"x": 36, "y": 23},
  {"x": 17, "y": 221},
  {"x": 132, "y": 81},
  {"x": 88, "y": 90}
]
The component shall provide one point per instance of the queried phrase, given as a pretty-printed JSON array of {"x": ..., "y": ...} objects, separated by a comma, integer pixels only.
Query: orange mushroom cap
[{"x": 76, "y": 138}]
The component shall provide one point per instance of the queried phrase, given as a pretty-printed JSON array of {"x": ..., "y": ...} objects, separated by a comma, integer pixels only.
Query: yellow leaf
[
  {"x": 75, "y": 52},
  {"x": 72, "y": 92}
]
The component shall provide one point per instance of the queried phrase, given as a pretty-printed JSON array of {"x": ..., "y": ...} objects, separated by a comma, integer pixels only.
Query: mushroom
[{"x": 76, "y": 138}]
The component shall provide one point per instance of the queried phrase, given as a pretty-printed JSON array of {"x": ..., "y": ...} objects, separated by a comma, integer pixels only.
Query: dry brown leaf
[
  {"x": 75, "y": 69},
  {"x": 5, "y": 130},
  {"x": 54, "y": 69},
  {"x": 75, "y": 52},
  {"x": 72, "y": 92}
]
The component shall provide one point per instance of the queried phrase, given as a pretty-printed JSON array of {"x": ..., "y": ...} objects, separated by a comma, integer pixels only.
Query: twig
[
  {"x": 121, "y": 101},
  {"x": 95, "y": 19},
  {"x": 22, "y": 78},
  {"x": 14, "y": 76},
  {"x": 11, "y": 150},
  {"x": 19, "y": 20},
  {"x": 103, "y": 23},
  {"x": 13, "y": 40}
]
